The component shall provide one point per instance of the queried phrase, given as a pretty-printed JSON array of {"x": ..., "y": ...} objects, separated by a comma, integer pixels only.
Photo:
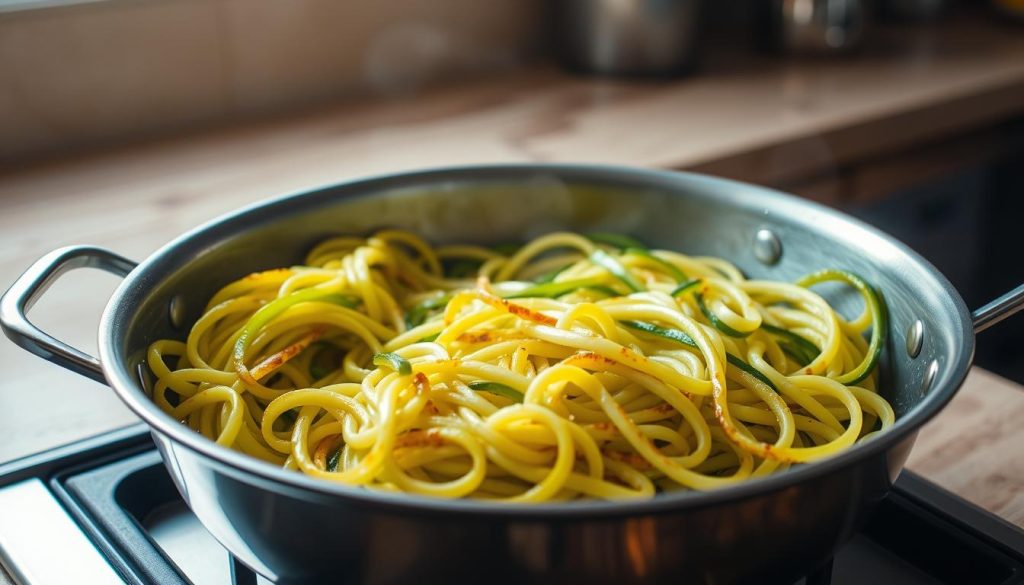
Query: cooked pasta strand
[{"x": 569, "y": 368}]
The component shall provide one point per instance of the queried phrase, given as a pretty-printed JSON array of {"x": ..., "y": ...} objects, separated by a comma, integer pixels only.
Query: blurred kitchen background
[{"x": 124, "y": 123}]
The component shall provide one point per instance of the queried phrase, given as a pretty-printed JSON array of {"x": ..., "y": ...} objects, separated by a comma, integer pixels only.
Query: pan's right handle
[
  {"x": 18, "y": 299},
  {"x": 998, "y": 309}
]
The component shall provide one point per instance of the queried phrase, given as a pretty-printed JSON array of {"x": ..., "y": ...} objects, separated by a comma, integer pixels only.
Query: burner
[{"x": 127, "y": 519}]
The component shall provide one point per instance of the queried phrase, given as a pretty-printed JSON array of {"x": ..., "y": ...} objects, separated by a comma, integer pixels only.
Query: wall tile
[
  {"x": 77, "y": 75},
  {"x": 306, "y": 50},
  {"x": 96, "y": 71}
]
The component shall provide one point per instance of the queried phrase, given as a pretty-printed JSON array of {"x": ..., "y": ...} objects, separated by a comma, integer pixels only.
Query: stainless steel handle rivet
[
  {"x": 767, "y": 247},
  {"x": 915, "y": 338},
  {"x": 176, "y": 311}
]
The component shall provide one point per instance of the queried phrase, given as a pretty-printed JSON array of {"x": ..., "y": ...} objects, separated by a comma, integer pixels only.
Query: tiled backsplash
[{"x": 81, "y": 74}]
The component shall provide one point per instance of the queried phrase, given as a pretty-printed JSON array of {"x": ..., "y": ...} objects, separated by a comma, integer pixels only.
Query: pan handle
[
  {"x": 25, "y": 291},
  {"x": 998, "y": 309}
]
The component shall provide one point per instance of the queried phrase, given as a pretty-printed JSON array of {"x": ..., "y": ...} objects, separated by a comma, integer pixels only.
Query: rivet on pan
[
  {"x": 929, "y": 376},
  {"x": 767, "y": 247},
  {"x": 915, "y": 338},
  {"x": 176, "y": 311}
]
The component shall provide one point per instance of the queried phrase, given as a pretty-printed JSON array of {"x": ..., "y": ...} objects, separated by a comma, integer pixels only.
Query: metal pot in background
[
  {"x": 817, "y": 27},
  {"x": 627, "y": 37}
]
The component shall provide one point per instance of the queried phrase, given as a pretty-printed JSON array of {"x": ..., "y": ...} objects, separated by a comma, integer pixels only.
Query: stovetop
[{"x": 105, "y": 510}]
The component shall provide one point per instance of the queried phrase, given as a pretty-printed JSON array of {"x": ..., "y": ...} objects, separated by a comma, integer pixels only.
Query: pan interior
[{"x": 689, "y": 213}]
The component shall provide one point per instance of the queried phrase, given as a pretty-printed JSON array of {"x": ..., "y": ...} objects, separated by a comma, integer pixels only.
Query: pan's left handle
[
  {"x": 18, "y": 299},
  {"x": 998, "y": 309}
]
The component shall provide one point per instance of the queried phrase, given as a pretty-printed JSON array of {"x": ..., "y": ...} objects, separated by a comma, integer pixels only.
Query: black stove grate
[{"x": 117, "y": 490}]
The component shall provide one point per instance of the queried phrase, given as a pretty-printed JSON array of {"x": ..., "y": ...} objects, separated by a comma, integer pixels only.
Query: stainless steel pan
[{"x": 291, "y": 528}]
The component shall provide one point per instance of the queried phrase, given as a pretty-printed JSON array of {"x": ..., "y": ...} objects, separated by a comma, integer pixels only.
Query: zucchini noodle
[{"x": 570, "y": 367}]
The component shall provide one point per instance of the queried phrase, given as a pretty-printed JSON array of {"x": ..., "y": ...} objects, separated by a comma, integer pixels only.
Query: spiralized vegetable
[{"x": 571, "y": 367}]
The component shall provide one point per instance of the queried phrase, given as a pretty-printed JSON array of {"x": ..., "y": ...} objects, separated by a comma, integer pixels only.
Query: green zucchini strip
[
  {"x": 797, "y": 347},
  {"x": 496, "y": 388},
  {"x": 606, "y": 291},
  {"x": 418, "y": 314},
  {"x": 672, "y": 334},
  {"x": 687, "y": 286},
  {"x": 555, "y": 289},
  {"x": 716, "y": 322},
  {"x": 751, "y": 370},
  {"x": 671, "y": 269},
  {"x": 795, "y": 353},
  {"x": 684, "y": 339},
  {"x": 334, "y": 459},
  {"x": 393, "y": 361},
  {"x": 612, "y": 264},
  {"x": 269, "y": 311},
  {"x": 874, "y": 302}
]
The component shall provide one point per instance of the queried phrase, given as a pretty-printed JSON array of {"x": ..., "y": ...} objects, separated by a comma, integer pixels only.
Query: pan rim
[{"x": 250, "y": 469}]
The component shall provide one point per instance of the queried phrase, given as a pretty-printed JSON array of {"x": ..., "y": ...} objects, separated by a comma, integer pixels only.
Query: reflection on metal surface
[
  {"x": 915, "y": 338},
  {"x": 40, "y": 543}
]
